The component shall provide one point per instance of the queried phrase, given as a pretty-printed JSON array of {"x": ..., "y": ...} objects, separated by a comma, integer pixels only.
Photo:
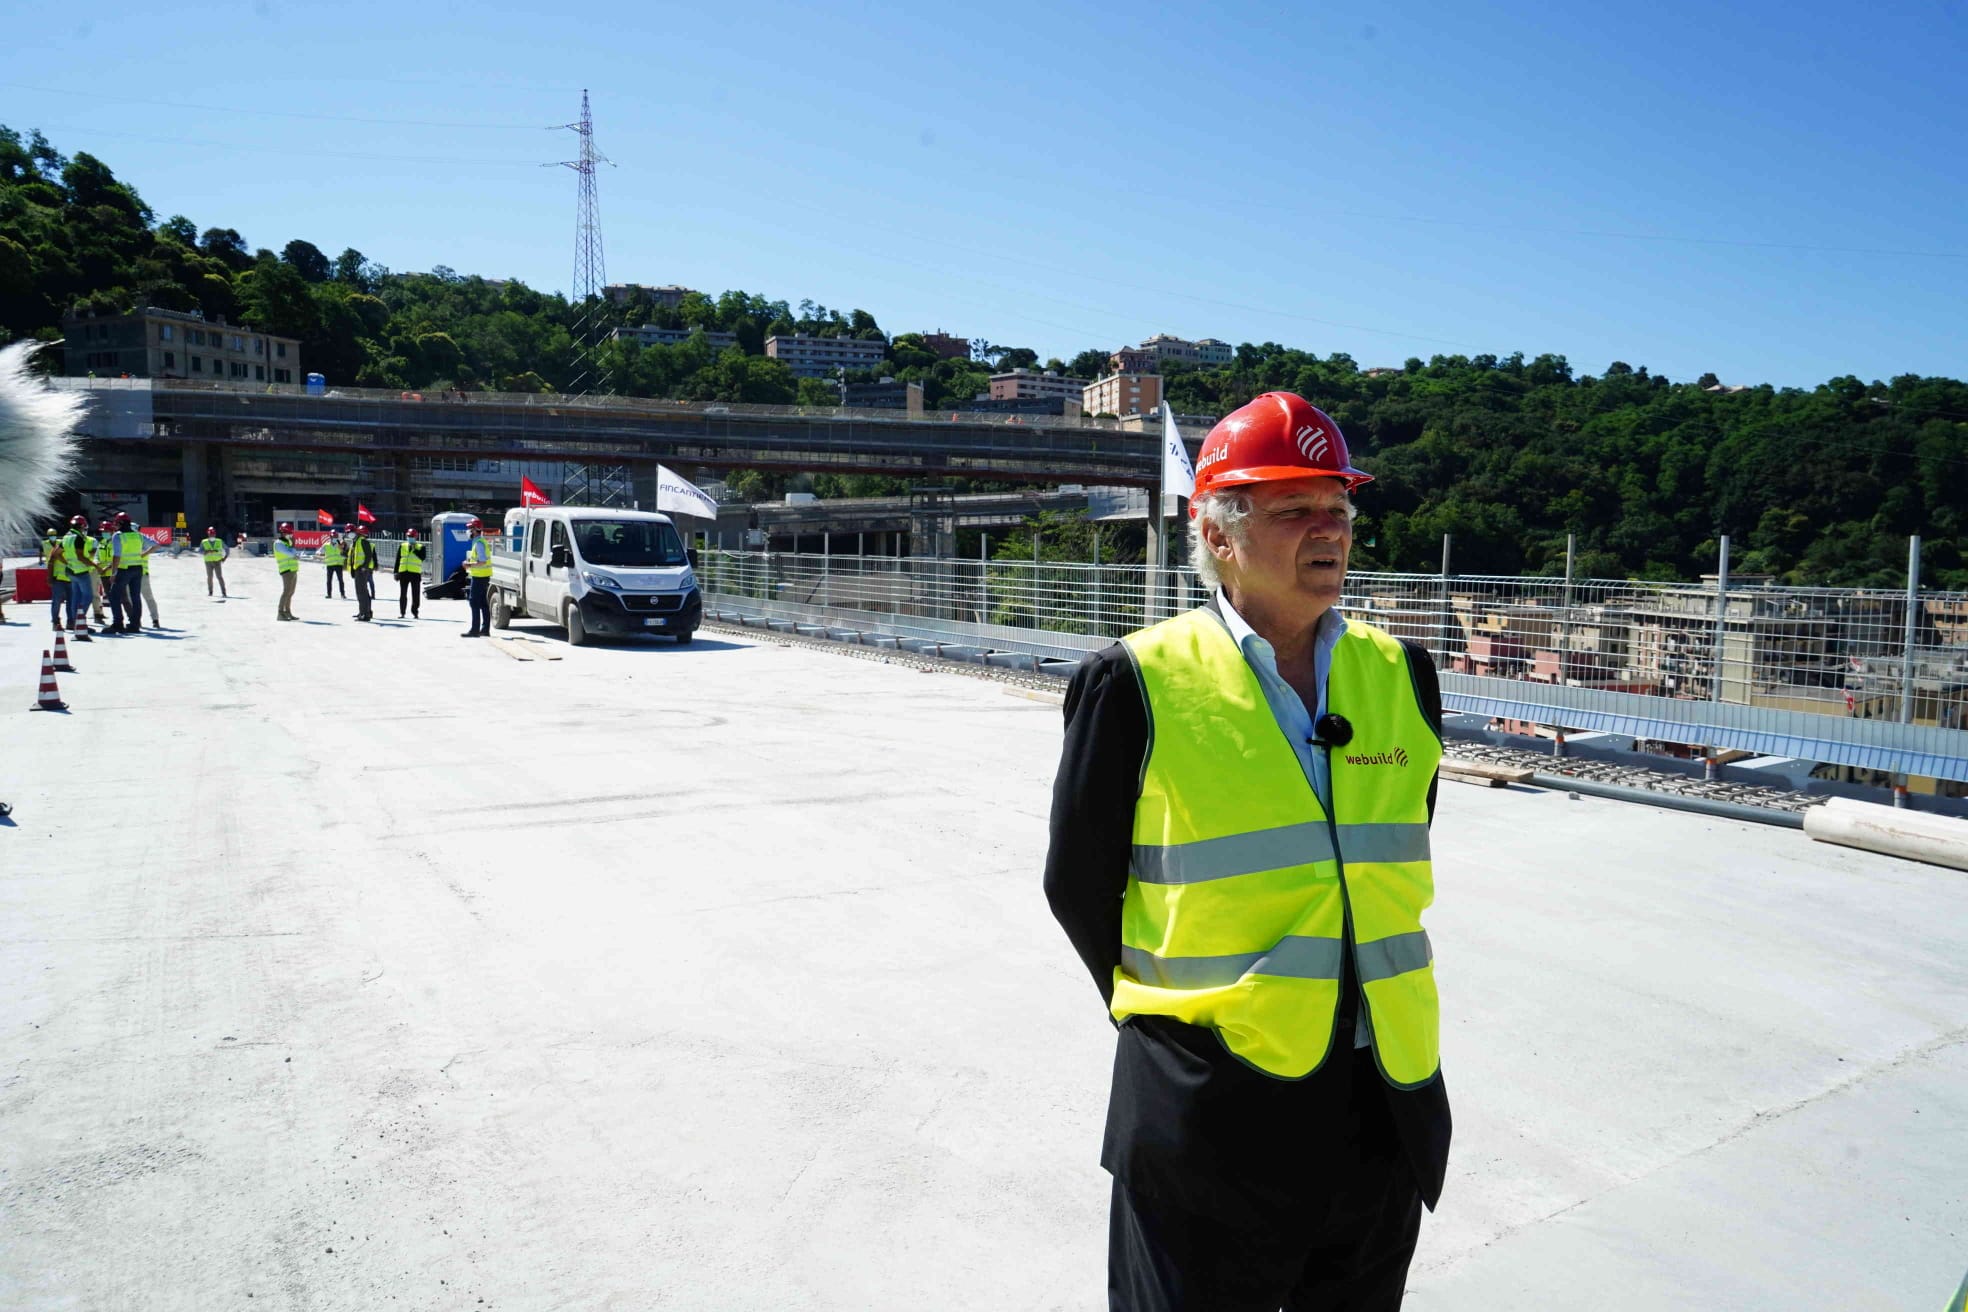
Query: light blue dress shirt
[{"x": 1294, "y": 718}]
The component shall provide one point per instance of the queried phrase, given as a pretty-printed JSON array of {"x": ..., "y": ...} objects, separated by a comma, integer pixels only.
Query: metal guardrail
[{"x": 1823, "y": 674}]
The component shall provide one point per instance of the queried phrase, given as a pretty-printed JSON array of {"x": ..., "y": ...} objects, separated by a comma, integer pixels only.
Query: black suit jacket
[{"x": 1186, "y": 1119}]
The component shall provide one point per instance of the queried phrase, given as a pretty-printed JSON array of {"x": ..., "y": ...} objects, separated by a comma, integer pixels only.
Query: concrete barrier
[{"x": 1938, "y": 839}]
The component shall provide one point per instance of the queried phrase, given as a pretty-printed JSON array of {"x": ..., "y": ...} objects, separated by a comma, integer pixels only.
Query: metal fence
[{"x": 1872, "y": 679}]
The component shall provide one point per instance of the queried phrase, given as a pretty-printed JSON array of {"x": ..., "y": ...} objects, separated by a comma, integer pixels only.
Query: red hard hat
[
  {"x": 474, "y": 522},
  {"x": 210, "y": 531},
  {"x": 79, "y": 521},
  {"x": 284, "y": 527},
  {"x": 410, "y": 533},
  {"x": 363, "y": 529},
  {"x": 122, "y": 516},
  {"x": 1279, "y": 435}
]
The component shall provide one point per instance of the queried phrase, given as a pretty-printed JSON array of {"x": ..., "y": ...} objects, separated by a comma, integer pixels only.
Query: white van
[{"x": 595, "y": 571}]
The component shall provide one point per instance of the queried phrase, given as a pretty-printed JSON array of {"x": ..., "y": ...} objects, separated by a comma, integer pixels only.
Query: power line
[
  {"x": 235, "y": 148},
  {"x": 268, "y": 113}
]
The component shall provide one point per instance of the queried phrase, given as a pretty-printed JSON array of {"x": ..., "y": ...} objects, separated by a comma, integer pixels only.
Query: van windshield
[{"x": 627, "y": 543}]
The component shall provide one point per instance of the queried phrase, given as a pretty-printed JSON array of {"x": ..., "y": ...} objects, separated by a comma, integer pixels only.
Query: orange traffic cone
[
  {"x": 61, "y": 654},
  {"x": 50, "y": 698}
]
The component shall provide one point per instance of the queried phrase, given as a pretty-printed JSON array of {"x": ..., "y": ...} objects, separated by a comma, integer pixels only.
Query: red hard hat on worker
[{"x": 1278, "y": 436}]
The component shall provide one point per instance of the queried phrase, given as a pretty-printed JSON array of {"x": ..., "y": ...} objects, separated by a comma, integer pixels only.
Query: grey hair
[{"x": 1229, "y": 510}]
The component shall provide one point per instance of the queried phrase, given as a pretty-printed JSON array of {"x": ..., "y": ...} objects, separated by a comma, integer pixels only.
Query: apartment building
[
  {"x": 1025, "y": 384},
  {"x": 650, "y": 335},
  {"x": 947, "y": 346},
  {"x": 159, "y": 343},
  {"x": 1122, "y": 394},
  {"x": 1210, "y": 352},
  {"x": 820, "y": 357}
]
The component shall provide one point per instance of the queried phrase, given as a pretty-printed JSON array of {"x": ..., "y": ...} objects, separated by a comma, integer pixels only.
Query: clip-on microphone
[{"x": 1333, "y": 730}]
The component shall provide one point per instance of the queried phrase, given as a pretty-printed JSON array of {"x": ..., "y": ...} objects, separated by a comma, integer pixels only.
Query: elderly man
[{"x": 1240, "y": 857}]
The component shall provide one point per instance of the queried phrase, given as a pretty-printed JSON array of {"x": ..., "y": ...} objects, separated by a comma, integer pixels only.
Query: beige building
[
  {"x": 1025, "y": 384},
  {"x": 155, "y": 343},
  {"x": 1122, "y": 394},
  {"x": 1210, "y": 351},
  {"x": 1168, "y": 347},
  {"x": 819, "y": 357}
]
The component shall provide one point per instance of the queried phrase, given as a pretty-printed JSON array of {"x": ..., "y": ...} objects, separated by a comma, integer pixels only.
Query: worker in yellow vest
[
  {"x": 213, "y": 549},
  {"x": 478, "y": 572},
  {"x": 287, "y": 560},
  {"x": 1240, "y": 856},
  {"x": 410, "y": 576},
  {"x": 362, "y": 565},
  {"x": 70, "y": 564},
  {"x": 150, "y": 549},
  {"x": 332, "y": 557},
  {"x": 126, "y": 577},
  {"x": 105, "y": 570}
]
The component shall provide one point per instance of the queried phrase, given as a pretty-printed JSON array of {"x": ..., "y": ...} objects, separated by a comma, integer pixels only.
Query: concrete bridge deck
[{"x": 346, "y": 963}]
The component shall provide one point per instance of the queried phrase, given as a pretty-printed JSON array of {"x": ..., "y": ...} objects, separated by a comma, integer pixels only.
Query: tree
[
  {"x": 1089, "y": 364},
  {"x": 351, "y": 268},
  {"x": 180, "y": 230},
  {"x": 307, "y": 260},
  {"x": 227, "y": 247}
]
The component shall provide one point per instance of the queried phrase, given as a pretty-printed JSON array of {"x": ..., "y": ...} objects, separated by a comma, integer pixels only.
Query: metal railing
[{"x": 1869, "y": 678}]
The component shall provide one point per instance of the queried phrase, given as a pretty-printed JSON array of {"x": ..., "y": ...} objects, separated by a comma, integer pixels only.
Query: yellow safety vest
[
  {"x": 1241, "y": 887},
  {"x": 214, "y": 550},
  {"x": 131, "y": 544},
  {"x": 410, "y": 558},
  {"x": 478, "y": 559},
  {"x": 48, "y": 546},
  {"x": 331, "y": 554},
  {"x": 73, "y": 556},
  {"x": 362, "y": 554},
  {"x": 285, "y": 558}
]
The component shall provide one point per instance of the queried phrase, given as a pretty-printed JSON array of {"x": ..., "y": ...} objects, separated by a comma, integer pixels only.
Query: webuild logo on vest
[{"x": 1399, "y": 756}]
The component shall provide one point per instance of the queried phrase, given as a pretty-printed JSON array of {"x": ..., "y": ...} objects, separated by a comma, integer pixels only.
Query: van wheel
[
  {"x": 577, "y": 630},
  {"x": 501, "y": 611},
  {"x": 684, "y": 638}
]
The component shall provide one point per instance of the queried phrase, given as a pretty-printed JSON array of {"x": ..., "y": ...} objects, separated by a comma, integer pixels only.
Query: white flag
[
  {"x": 682, "y": 496},
  {"x": 1178, "y": 475}
]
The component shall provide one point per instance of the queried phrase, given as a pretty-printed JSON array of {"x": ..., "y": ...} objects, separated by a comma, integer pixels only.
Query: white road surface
[{"x": 356, "y": 966}]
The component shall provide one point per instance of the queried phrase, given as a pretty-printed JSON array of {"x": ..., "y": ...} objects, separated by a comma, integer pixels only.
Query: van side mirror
[
  {"x": 690, "y": 554},
  {"x": 560, "y": 558}
]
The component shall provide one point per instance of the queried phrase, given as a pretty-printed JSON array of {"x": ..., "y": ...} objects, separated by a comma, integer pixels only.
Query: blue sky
[{"x": 1771, "y": 192}]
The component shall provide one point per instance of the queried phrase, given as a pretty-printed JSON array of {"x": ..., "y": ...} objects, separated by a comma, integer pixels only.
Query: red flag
[
  {"x": 362, "y": 514},
  {"x": 324, "y": 519},
  {"x": 530, "y": 494}
]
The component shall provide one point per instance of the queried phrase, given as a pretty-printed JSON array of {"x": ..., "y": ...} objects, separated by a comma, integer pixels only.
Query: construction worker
[
  {"x": 332, "y": 557},
  {"x": 362, "y": 564},
  {"x": 478, "y": 569},
  {"x": 149, "y": 597},
  {"x": 213, "y": 548},
  {"x": 410, "y": 576},
  {"x": 1240, "y": 856},
  {"x": 49, "y": 539},
  {"x": 126, "y": 577},
  {"x": 51, "y": 560},
  {"x": 287, "y": 560},
  {"x": 105, "y": 571},
  {"x": 69, "y": 566}
]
